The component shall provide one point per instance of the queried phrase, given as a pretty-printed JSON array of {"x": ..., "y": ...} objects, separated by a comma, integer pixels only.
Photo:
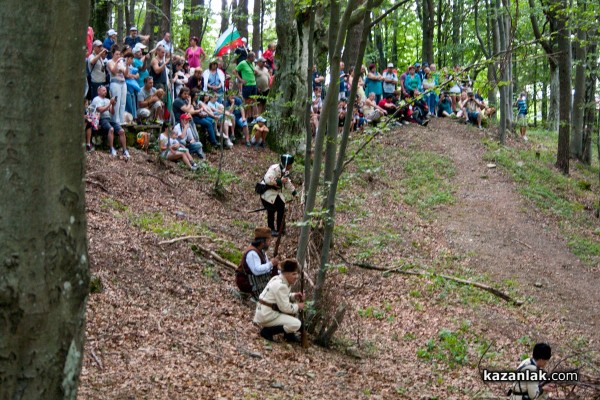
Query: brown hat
[
  {"x": 262, "y": 233},
  {"x": 289, "y": 265}
]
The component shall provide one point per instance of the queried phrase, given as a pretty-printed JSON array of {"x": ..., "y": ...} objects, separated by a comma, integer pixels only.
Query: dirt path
[{"x": 507, "y": 236}]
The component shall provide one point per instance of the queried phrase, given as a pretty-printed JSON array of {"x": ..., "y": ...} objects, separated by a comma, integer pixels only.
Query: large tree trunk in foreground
[
  {"x": 43, "y": 252},
  {"x": 579, "y": 97},
  {"x": 428, "y": 26},
  {"x": 256, "y": 34}
]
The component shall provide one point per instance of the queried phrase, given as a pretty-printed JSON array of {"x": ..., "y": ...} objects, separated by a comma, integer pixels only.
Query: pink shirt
[{"x": 194, "y": 56}]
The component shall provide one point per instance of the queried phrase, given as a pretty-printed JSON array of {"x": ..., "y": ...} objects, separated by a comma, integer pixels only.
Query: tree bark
[
  {"x": 590, "y": 98},
  {"x": 428, "y": 26},
  {"x": 121, "y": 29},
  {"x": 224, "y": 16},
  {"x": 43, "y": 269},
  {"x": 576, "y": 146},
  {"x": 559, "y": 8},
  {"x": 99, "y": 17},
  {"x": 455, "y": 32},
  {"x": 353, "y": 40},
  {"x": 131, "y": 20},
  {"x": 150, "y": 21},
  {"x": 196, "y": 18},
  {"x": 289, "y": 87},
  {"x": 256, "y": 34},
  {"x": 241, "y": 17},
  {"x": 165, "y": 17}
]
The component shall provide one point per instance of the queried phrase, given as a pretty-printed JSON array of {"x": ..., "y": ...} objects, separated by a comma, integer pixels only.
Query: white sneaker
[
  {"x": 113, "y": 152},
  {"x": 525, "y": 138},
  {"x": 228, "y": 144},
  {"x": 126, "y": 153}
]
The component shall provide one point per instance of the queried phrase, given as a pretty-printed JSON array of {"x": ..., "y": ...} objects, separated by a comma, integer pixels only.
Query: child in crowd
[
  {"x": 172, "y": 150},
  {"x": 259, "y": 133}
]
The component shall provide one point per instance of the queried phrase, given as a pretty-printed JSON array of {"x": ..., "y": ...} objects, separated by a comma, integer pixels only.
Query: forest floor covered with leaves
[{"x": 163, "y": 322}]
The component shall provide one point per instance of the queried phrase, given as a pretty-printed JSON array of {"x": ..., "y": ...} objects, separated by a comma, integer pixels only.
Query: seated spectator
[
  {"x": 255, "y": 269},
  {"x": 462, "y": 101},
  {"x": 106, "y": 107},
  {"x": 444, "y": 106},
  {"x": 387, "y": 104},
  {"x": 342, "y": 112},
  {"x": 218, "y": 110},
  {"x": 472, "y": 107},
  {"x": 357, "y": 113},
  {"x": 418, "y": 108},
  {"x": 233, "y": 104},
  {"x": 371, "y": 110},
  {"x": 91, "y": 118},
  {"x": 429, "y": 86},
  {"x": 195, "y": 81},
  {"x": 201, "y": 114},
  {"x": 259, "y": 133},
  {"x": 150, "y": 105},
  {"x": 172, "y": 150},
  {"x": 185, "y": 134}
]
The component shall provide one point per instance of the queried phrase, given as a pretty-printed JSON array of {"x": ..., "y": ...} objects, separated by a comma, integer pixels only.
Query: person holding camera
[
  {"x": 97, "y": 67},
  {"x": 150, "y": 104},
  {"x": 273, "y": 199}
]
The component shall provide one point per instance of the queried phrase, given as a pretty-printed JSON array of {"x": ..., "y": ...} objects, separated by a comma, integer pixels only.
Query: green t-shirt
[{"x": 246, "y": 70}]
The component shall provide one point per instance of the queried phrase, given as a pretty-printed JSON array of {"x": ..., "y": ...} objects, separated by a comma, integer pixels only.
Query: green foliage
[
  {"x": 156, "y": 223},
  {"x": 96, "y": 285},
  {"x": 449, "y": 347},
  {"x": 230, "y": 253},
  {"x": 108, "y": 203},
  {"x": 208, "y": 173}
]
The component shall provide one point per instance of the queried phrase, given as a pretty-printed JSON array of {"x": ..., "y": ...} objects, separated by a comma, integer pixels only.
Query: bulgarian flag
[{"x": 230, "y": 39}]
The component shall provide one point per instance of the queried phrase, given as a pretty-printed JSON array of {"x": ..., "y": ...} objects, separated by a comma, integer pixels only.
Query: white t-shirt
[
  {"x": 101, "y": 102},
  {"x": 189, "y": 136}
]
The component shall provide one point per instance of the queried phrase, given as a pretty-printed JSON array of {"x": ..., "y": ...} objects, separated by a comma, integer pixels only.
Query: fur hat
[
  {"x": 289, "y": 265},
  {"x": 262, "y": 233}
]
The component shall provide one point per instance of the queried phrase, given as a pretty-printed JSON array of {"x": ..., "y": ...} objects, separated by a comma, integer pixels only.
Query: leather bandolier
[{"x": 246, "y": 281}]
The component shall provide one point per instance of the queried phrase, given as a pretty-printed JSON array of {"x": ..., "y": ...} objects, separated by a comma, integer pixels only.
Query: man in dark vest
[{"x": 255, "y": 269}]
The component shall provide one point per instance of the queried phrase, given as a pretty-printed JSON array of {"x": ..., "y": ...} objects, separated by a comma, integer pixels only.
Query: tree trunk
[
  {"x": 131, "y": 20},
  {"x": 127, "y": 15},
  {"x": 428, "y": 26},
  {"x": 576, "y": 146},
  {"x": 590, "y": 99},
  {"x": 256, "y": 34},
  {"x": 564, "y": 71},
  {"x": 99, "y": 17},
  {"x": 241, "y": 17},
  {"x": 196, "y": 18},
  {"x": 440, "y": 13},
  {"x": 121, "y": 30},
  {"x": 44, "y": 269},
  {"x": 456, "y": 11},
  {"x": 544, "y": 101},
  {"x": 289, "y": 102},
  {"x": 224, "y": 17},
  {"x": 379, "y": 45},
  {"x": 150, "y": 21},
  {"x": 165, "y": 17},
  {"x": 353, "y": 41}
]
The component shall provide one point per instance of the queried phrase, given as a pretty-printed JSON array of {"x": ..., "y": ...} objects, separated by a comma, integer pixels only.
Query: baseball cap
[
  {"x": 112, "y": 32},
  {"x": 391, "y": 65},
  {"x": 185, "y": 116},
  {"x": 97, "y": 43},
  {"x": 261, "y": 119},
  {"x": 261, "y": 59},
  {"x": 138, "y": 47},
  {"x": 417, "y": 64},
  {"x": 244, "y": 40},
  {"x": 133, "y": 28}
]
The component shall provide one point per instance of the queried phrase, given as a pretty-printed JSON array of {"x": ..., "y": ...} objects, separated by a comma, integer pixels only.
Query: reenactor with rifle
[{"x": 277, "y": 305}]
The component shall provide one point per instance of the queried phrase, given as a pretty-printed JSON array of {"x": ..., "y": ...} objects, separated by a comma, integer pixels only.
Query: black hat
[
  {"x": 289, "y": 265},
  {"x": 287, "y": 159}
]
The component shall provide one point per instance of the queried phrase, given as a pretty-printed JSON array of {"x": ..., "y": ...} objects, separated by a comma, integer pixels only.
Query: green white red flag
[{"x": 230, "y": 39}]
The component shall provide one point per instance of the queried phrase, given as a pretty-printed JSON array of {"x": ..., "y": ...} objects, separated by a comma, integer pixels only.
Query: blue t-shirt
[
  {"x": 137, "y": 63},
  {"x": 412, "y": 83},
  {"x": 372, "y": 86},
  {"x": 131, "y": 42}
]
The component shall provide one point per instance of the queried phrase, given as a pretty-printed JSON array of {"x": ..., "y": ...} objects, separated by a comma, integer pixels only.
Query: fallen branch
[
  {"x": 179, "y": 239},
  {"x": 522, "y": 243},
  {"x": 95, "y": 357},
  {"x": 478, "y": 285},
  {"x": 93, "y": 182},
  {"x": 217, "y": 257}
]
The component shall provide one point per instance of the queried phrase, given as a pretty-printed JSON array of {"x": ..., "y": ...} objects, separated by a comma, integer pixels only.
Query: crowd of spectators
[
  {"x": 150, "y": 86},
  {"x": 130, "y": 83}
]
